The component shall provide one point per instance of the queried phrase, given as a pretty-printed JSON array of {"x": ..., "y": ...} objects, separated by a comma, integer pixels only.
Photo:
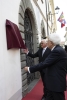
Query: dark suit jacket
[
  {"x": 39, "y": 54},
  {"x": 56, "y": 66}
]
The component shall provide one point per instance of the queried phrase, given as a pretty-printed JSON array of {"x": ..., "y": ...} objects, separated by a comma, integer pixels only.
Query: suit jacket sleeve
[
  {"x": 50, "y": 60},
  {"x": 33, "y": 55}
]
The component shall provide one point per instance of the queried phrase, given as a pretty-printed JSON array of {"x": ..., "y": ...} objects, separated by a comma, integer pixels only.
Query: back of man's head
[{"x": 55, "y": 38}]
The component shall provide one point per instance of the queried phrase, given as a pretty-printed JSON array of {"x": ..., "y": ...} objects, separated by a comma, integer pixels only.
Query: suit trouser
[
  {"x": 55, "y": 95},
  {"x": 44, "y": 85}
]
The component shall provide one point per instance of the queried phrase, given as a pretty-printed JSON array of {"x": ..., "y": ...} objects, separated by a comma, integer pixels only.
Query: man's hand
[
  {"x": 25, "y": 51},
  {"x": 26, "y": 68}
]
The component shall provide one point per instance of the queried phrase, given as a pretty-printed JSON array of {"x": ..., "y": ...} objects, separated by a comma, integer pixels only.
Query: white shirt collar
[
  {"x": 45, "y": 48},
  {"x": 53, "y": 48}
]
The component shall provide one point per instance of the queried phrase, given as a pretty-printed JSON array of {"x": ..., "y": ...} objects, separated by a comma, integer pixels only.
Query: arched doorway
[
  {"x": 29, "y": 43},
  {"x": 26, "y": 12}
]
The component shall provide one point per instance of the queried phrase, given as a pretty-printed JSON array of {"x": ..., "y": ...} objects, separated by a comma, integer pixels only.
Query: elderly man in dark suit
[
  {"x": 56, "y": 69},
  {"x": 42, "y": 53}
]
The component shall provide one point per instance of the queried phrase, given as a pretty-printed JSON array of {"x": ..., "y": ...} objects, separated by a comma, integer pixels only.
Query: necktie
[{"x": 43, "y": 52}]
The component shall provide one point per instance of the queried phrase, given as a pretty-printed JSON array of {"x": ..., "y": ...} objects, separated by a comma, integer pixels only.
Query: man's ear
[{"x": 52, "y": 43}]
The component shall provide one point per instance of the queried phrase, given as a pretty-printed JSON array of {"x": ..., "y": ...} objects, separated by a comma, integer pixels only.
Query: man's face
[{"x": 43, "y": 44}]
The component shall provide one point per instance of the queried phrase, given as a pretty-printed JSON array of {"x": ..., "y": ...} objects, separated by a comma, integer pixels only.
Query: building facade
[{"x": 31, "y": 16}]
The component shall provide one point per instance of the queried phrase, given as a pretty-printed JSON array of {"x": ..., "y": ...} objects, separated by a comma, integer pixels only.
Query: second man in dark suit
[{"x": 42, "y": 53}]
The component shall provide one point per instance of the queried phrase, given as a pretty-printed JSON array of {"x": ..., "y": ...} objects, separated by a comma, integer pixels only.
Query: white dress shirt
[{"x": 52, "y": 48}]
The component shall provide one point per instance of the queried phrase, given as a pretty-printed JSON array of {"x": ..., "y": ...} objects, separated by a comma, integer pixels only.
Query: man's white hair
[
  {"x": 44, "y": 40},
  {"x": 55, "y": 38}
]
